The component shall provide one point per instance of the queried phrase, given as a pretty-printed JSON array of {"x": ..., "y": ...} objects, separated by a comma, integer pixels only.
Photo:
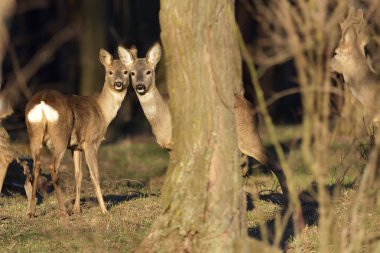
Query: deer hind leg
[
  {"x": 249, "y": 140},
  {"x": 35, "y": 147},
  {"x": 92, "y": 162},
  {"x": 273, "y": 165},
  {"x": 258, "y": 152},
  {"x": 279, "y": 173},
  {"x": 54, "y": 166},
  {"x": 32, "y": 196},
  {"x": 77, "y": 156}
]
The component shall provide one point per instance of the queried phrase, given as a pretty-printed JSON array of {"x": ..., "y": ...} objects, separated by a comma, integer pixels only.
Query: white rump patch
[{"x": 35, "y": 115}]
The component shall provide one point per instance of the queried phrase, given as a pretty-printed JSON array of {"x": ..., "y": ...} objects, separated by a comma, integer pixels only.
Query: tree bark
[
  {"x": 6, "y": 155},
  {"x": 202, "y": 197}
]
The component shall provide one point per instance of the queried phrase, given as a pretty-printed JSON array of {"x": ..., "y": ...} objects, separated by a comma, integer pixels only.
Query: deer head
[
  {"x": 350, "y": 53},
  {"x": 142, "y": 70},
  {"x": 116, "y": 72}
]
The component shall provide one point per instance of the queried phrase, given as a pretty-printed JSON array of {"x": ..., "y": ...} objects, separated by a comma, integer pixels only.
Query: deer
[
  {"x": 350, "y": 60},
  {"x": 156, "y": 110},
  {"x": 77, "y": 123}
]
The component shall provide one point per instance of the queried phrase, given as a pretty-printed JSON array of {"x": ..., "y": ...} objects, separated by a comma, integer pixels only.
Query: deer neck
[
  {"x": 152, "y": 103},
  {"x": 109, "y": 102},
  {"x": 359, "y": 75},
  {"x": 157, "y": 112}
]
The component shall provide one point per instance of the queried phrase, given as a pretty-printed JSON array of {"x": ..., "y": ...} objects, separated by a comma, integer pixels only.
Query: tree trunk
[
  {"x": 93, "y": 34},
  {"x": 202, "y": 197},
  {"x": 6, "y": 156}
]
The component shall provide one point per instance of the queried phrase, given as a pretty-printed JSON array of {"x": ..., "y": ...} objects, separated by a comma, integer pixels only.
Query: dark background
[{"x": 75, "y": 68}]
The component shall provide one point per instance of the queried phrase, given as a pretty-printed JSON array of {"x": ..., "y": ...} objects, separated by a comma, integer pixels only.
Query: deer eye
[
  {"x": 148, "y": 72},
  {"x": 110, "y": 72},
  {"x": 133, "y": 73},
  {"x": 125, "y": 72}
]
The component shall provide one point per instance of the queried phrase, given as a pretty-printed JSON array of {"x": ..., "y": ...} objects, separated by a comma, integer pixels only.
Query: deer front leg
[
  {"x": 92, "y": 162},
  {"x": 77, "y": 156}
]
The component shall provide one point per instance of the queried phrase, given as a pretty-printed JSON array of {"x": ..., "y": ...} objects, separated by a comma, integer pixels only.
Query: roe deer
[
  {"x": 156, "y": 109},
  {"x": 78, "y": 123},
  {"x": 7, "y": 154},
  {"x": 350, "y": 61}
]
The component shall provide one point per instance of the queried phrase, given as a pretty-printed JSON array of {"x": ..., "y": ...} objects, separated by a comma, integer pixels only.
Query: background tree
[
  {"x": 93, "y": 37},
  {"x": 202, "y": 195},
  {"x": 6, "y": 155}
]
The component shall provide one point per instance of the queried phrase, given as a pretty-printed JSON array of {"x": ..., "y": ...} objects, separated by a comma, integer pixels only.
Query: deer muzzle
[
  {"x": 141, "y": 89},
  {"x": 118, "y": 85}
]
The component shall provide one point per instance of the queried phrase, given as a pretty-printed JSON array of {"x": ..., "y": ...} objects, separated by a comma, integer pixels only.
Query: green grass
[
  {"x": 118, "y": 231},
  {"x": 132, "y": 174}
]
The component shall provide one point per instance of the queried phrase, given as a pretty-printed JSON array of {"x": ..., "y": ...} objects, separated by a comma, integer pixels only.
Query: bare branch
[{"x": 18, "y": 82}]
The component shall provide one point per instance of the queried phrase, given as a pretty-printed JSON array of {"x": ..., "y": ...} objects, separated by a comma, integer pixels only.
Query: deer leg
[
  {"x": 260, "y": 155},
  {"x": 35, "y": 148},
  {"x": 92, "y": 162},
  {"x": 279, "y": 173},
  {"x": 56, "y": 161},
  {"x": 276, "y": 169},
  {"x": 36, "y": 173},
  {"x": 249, "y": 141},
  {"x": 77, "y": 156}
]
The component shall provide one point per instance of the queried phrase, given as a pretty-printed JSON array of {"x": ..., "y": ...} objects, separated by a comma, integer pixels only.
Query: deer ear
[
  {"x": 105, "y": 57},
  {"x": 350, "y": 35},
  {"x": 154, "y": 54},
  {"x": 133, "y": 51},
  {"x": 126, "y": 57}
]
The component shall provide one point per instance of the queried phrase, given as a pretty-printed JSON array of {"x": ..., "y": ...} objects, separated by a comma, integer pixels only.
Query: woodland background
[
  {"x": 310, "y": 121},
  {"x": 80, "y": 28}
]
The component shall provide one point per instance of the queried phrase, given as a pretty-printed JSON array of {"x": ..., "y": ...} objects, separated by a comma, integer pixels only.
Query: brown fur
[
  {"x": 350, "y": 61},
  {"x": 81, "y": 126}
]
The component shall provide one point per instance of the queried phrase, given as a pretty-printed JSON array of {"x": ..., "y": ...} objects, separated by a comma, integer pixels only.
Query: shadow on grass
[
  {"x": 15, "y": 178},
  {"x": 113, "y": 200},
  {"x": 309, "y": 206}
]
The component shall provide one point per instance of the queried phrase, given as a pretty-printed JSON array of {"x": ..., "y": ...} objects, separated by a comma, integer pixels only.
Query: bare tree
[
  {"x": 306, "y": 32},
  {"x": 93, "y": 34}
]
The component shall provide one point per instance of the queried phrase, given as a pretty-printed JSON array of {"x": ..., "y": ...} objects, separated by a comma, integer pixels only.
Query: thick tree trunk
[
  {"x": 6, "y": 156},
  {"x": 92, "y": 38},
  {"x": 202, "y": 197}
]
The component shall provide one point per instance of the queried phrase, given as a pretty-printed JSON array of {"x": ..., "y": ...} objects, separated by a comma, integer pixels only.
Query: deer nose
[
  {"x": 118, "y": 85},
  {"x": 140, "y": 86}
]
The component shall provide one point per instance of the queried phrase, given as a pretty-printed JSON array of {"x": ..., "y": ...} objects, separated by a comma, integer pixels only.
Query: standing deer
[
  {"x": 350, "y": 61},
  {"x": 78, "y": 123},
  {"x": 156, "y": 109}
]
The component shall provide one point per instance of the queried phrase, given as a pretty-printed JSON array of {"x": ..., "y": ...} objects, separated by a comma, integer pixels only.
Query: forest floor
[{"x": 132, "y": 173}]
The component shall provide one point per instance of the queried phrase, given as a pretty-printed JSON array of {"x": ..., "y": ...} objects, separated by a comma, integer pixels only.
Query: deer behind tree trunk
[{"x": 156, "y": 109}]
